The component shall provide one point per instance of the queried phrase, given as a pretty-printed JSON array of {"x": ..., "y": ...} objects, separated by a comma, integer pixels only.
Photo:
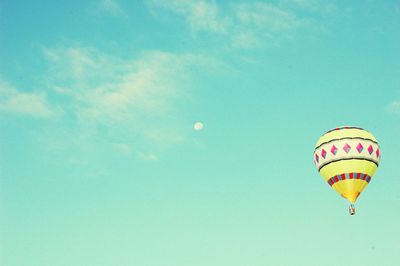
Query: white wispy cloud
[
  {"x": 201, "y": 15},
  {"x": 123, "y": 148},
  {"x": 81, "y": 64},
  {"x": 106, "y": 89},
  {"x": 24, "y": 103},
  {"x": 263, "y": 23},
  {"x": 268, "y": 16},
  {"x": 127, "y": 104},
  {"x": 147, "y": 156},
  {"x": 112, "y": 7},
  {"x": 304, "y": 4},
  {"x": 244, "y": 25},
  {"x": 111, "y": 105},
  {"x": 319, "y": 7},
  {"x": 107, "y": 7}
]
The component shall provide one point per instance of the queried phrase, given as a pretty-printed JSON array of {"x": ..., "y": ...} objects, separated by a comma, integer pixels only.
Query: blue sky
[{"x": 100, "y": 164}]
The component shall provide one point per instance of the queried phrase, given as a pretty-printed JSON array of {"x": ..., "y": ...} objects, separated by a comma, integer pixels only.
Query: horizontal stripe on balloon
[
  {"x": 345, "y": 159},
  {"x": 329, "y": 141},
  {"x": 340, "y": 128},
  {"x": 338, "y": 178}
]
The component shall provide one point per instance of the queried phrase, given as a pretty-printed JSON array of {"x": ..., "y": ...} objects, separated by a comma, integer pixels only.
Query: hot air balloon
[{"x": 347, "y": 158}]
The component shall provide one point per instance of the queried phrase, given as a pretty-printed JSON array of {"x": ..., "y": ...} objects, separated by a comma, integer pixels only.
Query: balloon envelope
[{"x": 347, "y": 158}]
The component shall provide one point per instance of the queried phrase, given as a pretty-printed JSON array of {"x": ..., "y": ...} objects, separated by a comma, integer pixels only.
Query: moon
[{"x": 198, "y": 126}]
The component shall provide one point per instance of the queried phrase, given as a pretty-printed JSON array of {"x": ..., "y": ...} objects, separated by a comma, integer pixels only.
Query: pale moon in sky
[{"x": 198, "y": 126}]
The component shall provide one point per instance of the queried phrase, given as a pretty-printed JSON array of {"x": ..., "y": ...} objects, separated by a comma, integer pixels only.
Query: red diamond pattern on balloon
[
  {"x": 359, "y": 148},
  {"x": 347, "y": 148},
  {"x": 370, "y": 149},
  {"x": 317, "y": 158},
  {"x": 377, "y": 153},
  {"x": 334, "y": 150},
  {"x": 323, "y": 153}
]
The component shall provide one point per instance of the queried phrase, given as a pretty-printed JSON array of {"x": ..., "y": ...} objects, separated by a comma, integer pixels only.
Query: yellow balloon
[{"x": 347, "y": 158}]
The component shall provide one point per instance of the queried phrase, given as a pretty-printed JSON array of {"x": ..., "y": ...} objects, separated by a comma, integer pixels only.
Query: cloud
[
  {"x": 201, "y": 15},
  {"x": 108, "y": 7},
  {"x": 110, "y": 105},
  {"x": 244, "y": 25},
  {"x": 108, "y": 90},
  {"x": 80, "y": 63},
  {"x": 121, "y": 104},
  {"x": 123, "y": 148},
  {"x": 111, "y": 7},
  {"x": 394, "y": 107},
  {"x": 23, "y": 103},
  {"x": 312, "y": 7},
  {"x": 147, "y": 156},
  {"x": 259, "y": 23},
  {"x": 99, "y": 88},
  {"x": 303, "y": 4},
  {"x": 268, "y": 16}
]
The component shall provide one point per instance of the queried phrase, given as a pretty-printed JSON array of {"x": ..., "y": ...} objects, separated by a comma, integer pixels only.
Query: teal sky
[{"x": 100, "y": 164}]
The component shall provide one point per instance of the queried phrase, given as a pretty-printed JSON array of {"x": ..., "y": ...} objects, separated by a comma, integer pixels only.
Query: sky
[{"x": 100, "y": 163}]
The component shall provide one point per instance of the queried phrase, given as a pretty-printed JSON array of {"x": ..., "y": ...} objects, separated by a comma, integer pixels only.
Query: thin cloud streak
[
  {"x": 24, "y": 103},
  {"x": 200, "y": 15},
  {"x": 124, "y": 89},
  {"x": 151, "y": 157},
  {"x": 244, "y": 25},
  {"x": 110, "y": 7}
]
